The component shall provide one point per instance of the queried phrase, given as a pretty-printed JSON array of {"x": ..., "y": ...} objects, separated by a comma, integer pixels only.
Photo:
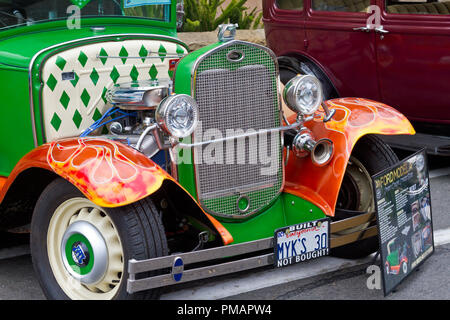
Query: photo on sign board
[
  {"x": 427, "y": 238},
  {"x": 397, "y": 261},
  {"x": 415, "y": 214},
  {"x": 417, "y": 243},
  {"x": 425, "y": 208}
]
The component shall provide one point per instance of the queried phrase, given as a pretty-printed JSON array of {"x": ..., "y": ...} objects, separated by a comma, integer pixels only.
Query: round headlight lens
[
  {"x": 303, "y": 94},
  {"x": 177, "y": 115}
]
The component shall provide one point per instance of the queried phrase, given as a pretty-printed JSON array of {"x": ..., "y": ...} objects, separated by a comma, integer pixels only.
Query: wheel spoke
[
  {"x": 110, "y": 235},
  {"x": 115, "y": 263},
  {"x": 93, "y": 288},
  {"x": 104, "y": 224},
  {"x": 84, "y": 213},
  {"x": 73, "y": 219},
  {"x": 112, "y": 278},
  {"x": 95, "y": 216},
  {"x": 103, "y": 287}
]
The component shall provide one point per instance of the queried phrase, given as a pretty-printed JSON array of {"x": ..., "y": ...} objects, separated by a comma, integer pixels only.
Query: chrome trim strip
[
  {"x": 251, "y": 134},
  {"x": 135, "y": 266},
  {"x": 226, "y": 192},
  {"x": 201, "y": 273},
  {"x": 170, "y": 56},
  {"x": 33, "y": 60}
]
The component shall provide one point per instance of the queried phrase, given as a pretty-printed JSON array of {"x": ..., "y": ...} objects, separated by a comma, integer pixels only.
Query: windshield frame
[{"x": 91, "y": 21}]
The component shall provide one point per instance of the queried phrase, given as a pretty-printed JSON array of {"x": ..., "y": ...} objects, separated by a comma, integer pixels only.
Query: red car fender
[
  {"x": 354, "y": 118},
  {"x": 108, "y": 173}
]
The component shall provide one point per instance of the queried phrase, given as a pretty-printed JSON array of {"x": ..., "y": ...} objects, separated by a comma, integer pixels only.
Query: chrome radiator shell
[{"x": 237, "y": 96}]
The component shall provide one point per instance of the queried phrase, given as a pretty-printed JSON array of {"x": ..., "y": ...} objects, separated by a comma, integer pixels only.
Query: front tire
[
  {"x": 370, "y": 156},
  {"x": 80, "y": 250}
]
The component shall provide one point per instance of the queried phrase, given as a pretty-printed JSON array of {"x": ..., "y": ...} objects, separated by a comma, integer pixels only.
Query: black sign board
[{"x": 402, "y": 198}]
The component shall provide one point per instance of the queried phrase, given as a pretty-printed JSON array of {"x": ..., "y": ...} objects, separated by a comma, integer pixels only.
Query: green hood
[{"x": 18, "y": 46}]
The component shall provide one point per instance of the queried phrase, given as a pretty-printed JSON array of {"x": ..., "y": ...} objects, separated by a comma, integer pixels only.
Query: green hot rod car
[{"x": 136, "y": 164}]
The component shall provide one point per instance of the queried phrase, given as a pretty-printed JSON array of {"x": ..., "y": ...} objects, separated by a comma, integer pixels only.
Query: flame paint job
[
  {"x": 354, "y": 118},
  {"x": 108, "y": 173}
]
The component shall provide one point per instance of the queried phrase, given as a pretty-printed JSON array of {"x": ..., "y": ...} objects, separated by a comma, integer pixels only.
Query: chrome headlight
[
  {"x": 177, "y": 115},
  {"x": 303, "y": 94}
]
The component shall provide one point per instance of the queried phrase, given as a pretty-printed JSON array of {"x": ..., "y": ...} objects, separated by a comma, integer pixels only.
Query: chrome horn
[{"x": 321, "y": 151}]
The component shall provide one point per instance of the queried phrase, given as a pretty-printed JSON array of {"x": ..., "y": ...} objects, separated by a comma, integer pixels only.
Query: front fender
[
  {"x": 108, "y": 173},
  {"x": 354, "y": 118}
]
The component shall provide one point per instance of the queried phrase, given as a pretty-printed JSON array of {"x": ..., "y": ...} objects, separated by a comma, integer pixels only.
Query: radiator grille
[{"x": 235, "y": 98}]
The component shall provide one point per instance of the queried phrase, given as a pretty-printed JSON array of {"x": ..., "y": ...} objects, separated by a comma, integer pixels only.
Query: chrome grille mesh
[{"x": 234, "y": 98}]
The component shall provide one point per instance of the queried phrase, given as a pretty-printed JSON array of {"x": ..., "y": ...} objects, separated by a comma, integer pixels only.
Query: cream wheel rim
[{"x": 85, "y": 251}]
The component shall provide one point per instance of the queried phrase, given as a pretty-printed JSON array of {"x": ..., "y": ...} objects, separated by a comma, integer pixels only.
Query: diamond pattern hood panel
[{"x": 75, "y": 81}]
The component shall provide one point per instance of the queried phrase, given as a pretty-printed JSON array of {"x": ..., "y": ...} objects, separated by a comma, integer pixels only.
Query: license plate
[{"x": 302, "y": 242}]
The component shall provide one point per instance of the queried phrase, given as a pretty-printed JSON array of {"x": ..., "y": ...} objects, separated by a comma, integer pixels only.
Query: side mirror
[{"x": 180, "y": 14}]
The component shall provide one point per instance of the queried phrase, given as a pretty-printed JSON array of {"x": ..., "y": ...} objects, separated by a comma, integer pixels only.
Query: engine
[
  {"x": 148, "y": 117},
  {"x": 131, "y": 118}
]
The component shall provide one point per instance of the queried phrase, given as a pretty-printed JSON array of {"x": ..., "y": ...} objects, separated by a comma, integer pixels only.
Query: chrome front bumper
[{"x": 171, "y": 269}]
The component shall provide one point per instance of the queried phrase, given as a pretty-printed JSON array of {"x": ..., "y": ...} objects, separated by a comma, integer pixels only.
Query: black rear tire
[
  {"x": 375, "y": 156},
  {"x": 290, "y": 67},
  {"x": 138, "y": 229}
]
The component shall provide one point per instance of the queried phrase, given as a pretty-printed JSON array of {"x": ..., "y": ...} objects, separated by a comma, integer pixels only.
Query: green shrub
[
  {"x": 246, "y": 20},
  {"x": 202, "y": 15}
]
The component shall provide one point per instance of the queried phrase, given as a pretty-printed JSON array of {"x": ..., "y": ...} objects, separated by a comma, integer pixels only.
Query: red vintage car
[{"x": 393, "y": 51}]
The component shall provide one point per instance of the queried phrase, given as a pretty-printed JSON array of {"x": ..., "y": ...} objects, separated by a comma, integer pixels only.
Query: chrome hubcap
[{"x": 84, "y": 252}]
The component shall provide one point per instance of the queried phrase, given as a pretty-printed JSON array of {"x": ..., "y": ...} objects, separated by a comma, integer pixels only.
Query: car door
[
  {"x": 413, "y": 54},
  {"x": 339, "y": 40},
  {"x": 284, "y": 25}
]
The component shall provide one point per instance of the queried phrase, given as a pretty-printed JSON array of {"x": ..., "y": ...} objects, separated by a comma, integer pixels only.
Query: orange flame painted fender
[
  {"x": 108, "y": 173},
  {"x": 354, "y": 118}
]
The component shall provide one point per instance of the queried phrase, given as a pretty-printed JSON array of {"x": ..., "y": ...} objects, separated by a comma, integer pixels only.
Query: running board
[
  {"x": 435, "y": 145},
  {"x": 170, "y": 270}
]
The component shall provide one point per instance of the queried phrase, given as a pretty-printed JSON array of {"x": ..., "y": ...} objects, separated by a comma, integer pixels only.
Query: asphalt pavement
[
  {"x": 430, "y": 281},
  {"x": 324, "y": 278}
]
